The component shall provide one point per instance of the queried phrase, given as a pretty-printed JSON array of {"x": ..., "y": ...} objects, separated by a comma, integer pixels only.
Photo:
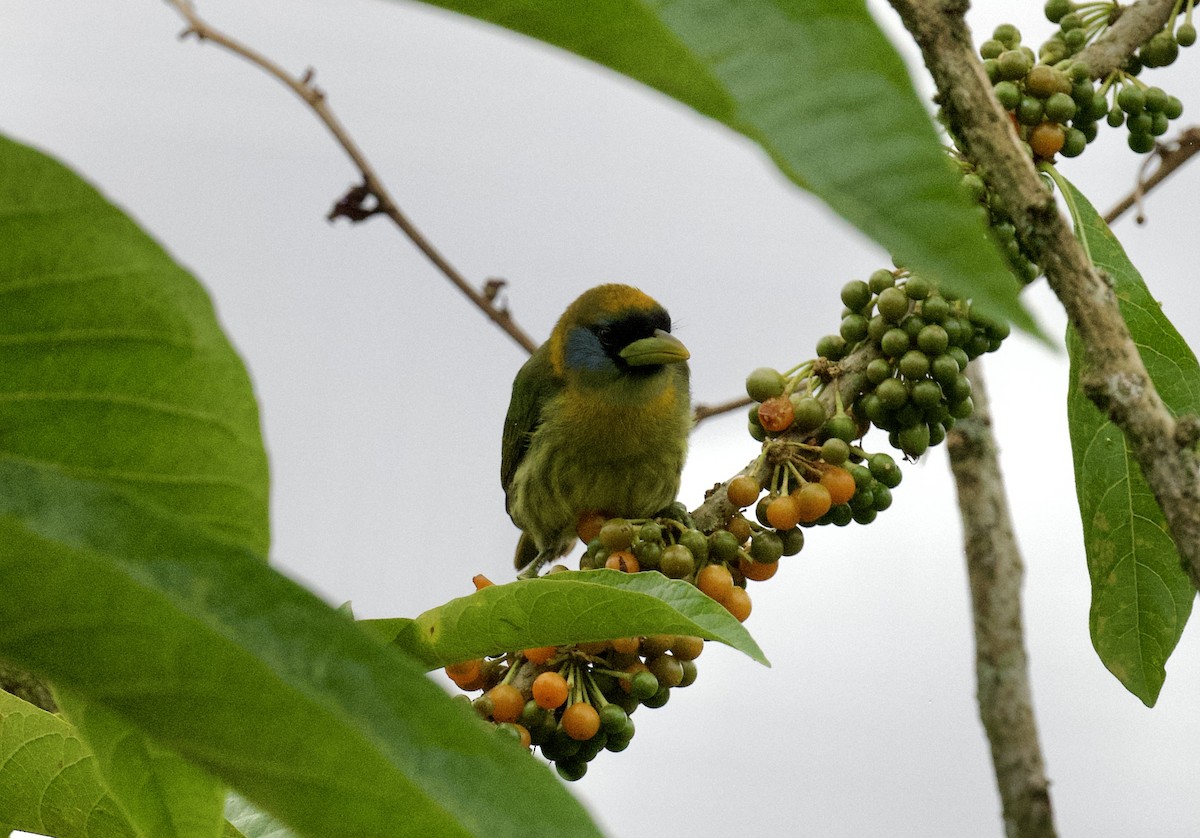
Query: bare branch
[
  {"x": 370, "y": 197},
  {"x": 1115, "y": 377},
  {"x": 996, "y": 574},
  {"x": 707, "y": 411},
  {"x": 1170, "y": 156}
]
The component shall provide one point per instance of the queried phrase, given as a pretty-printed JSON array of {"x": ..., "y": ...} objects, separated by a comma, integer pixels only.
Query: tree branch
[
  {"x": 1115, "y": 377},
  {"x": 996, "y": 574},
  {"x": 1132, "y": 29},
  {"x": 370, "y": 197},
  {"x": 1170, "y": 156}
]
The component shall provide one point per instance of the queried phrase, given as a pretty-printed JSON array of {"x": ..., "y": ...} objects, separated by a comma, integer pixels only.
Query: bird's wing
[{"x": 534, "y": 385}]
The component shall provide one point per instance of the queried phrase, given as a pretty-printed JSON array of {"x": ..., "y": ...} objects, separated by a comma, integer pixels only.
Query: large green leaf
[
  {"x": 114, "y": 367},
  {"x": 49, "y": 783},
  {"x": 213, "y": 654},
  {"x": 160, "y": 792},
  {"x": 558, "y": 608},
  {"x": 252, "y": 821},
  {"x": 1141, "y": 597},
  {"x": 819, "y": 87}
]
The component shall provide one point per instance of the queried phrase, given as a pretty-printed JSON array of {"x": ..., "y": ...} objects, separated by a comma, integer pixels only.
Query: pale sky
[{"x": 382, "y": 392}]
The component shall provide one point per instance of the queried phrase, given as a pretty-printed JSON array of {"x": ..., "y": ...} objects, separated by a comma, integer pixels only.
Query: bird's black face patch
[{"x": 615, "y": 335}]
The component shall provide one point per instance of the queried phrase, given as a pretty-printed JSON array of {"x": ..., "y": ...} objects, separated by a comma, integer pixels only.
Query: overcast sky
[{"x": 383, "y": 393}]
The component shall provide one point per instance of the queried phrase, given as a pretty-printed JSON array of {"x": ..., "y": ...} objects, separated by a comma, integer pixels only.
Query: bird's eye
[{"x": 604, "y": 335}]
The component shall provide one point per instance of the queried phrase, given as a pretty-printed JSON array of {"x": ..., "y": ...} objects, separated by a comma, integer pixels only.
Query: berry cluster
[
  {"x": 995, "y": 216},
  {"x": 1052, "y": 98},
  {"x": 575, "y": 701}
]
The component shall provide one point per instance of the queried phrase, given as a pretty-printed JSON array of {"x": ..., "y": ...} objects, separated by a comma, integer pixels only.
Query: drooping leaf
[
  {"x": 49, "y": 783},
  {"x": 819, "y": 87},
  {"x": 216, "y": 656},
  {"x": 558, "y": 608},
  {"x": 1141, "y": 596},
  {"x": 115, "y": 369},
  {"x": 160, "y": 792}
]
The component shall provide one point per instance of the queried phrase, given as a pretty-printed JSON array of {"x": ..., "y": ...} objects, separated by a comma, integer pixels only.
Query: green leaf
[
  {"x": 572, "y": 607},
  {"x": 820, "y": 88},
  {"x": 160, "y": 792},
  {"x": 213, "y": 654},
  {"x": 1141, "y": 597},
  {"x": 49, "y": 783},
  {"x": 115, "y": 369},
  {"x": 253, "y": 822}
]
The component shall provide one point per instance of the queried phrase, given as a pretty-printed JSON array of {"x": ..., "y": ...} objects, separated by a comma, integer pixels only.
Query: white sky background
[{"x": 383, "y": 392}]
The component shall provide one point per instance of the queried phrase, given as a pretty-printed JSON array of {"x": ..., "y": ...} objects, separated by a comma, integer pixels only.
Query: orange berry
[
  {"x": 715, "y": 581},
  {"x": 626, "y": 645},
  {"x": 507, "y": 702},
  {"x": 687, "y": 647},
  {"x": 550, "y": 690},
  {"x": 481, "y": 581},
  {"x": 526, "y": 739},
  {"x": 1047, "y": 139},
  {"x": 740, "y": 529},
  {"x": 464, "y": 672},
  {"x": 783, "y": 513},
  {"x": 757, "y": 571},
  {"x": 538, "y": 655},
  {"x": 623, "y": 561},
  {"x": 743, "y": 490},
  {"x": 812, "y": 501},
  {"x": 776, "y": 414},
  {"x": 738, "y": 604},
  {"x": 840, "y": 484},
  {"x": 588, "y": 524},
  {"x": 581, "y": 721}
]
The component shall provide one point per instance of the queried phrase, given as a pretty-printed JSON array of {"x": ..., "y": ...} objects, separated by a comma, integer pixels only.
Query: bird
[{"x": 598, "y": 422}]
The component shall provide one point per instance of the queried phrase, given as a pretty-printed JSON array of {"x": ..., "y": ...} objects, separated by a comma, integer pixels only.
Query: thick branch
[
  {"x": 1115, "y": 377},
  {"x": 369, "y": 198},
  {"x": 1001, "y": 666},
  {"x": 1132, "y": 29}
]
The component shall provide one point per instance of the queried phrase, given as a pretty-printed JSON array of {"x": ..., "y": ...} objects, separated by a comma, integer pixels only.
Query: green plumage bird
[{"x": 598, "y": 422}]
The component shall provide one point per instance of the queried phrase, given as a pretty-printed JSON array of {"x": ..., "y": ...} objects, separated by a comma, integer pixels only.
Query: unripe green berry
[
  {"x": 918, "y": 288},
  {"x": 832, "y": 347},
  {"x": 766, "y": 547},
  {"x": 913, "y": 364},
  {"x": 990, "y": 48},
  {"x": 1131, "y": 99},
  {"x": 764, "y": 383},
  {"x": 835, "y": 451},
  {"x": 914, "y": 440},
  {"x": 1057, "y": 9},
  {"x": 1141, "y": 143},
  {"x": 933, "y": 339},
  {"x": 808, "y": 413},
  {"x": 1008, "y": 35},
  {"x": 925, "y": 394},
  {"x": 853, "y": 328},
  {"x": 839, "y": 427},
  {"x": 677, "y": 562},
  {"x": 856, "y": 295},
  {"x": 892, "y": 393},
  {"x": 1008, "y": 95},
  {"x": 892, "y": 304},
  {"x": 878, "y": 370},
  {"x": 894, "y": 343},
  {"x": 1185, "y": 34},
  {"x": 1060, "y": 107},
  {"x": 723, "y": 546},
  {"x": 880, "y": 280}
]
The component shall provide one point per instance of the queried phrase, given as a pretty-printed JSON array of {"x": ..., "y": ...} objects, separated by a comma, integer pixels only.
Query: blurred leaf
[
  {"x": 1141, "y": 597},
  {"x": 820, "y": 88},
  {"x": 115, "y": 369},
  {"x": 160, "y": 792},
  {"x": 49, "y": 783},
  {"x": 218, "y": 657},
  {"x": 253, "y": 822},
  {"x": 559, "y": 608}
]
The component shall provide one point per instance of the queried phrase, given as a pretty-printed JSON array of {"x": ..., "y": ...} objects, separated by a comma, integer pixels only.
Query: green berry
[
  {"x": 853, "y": 328},
  {"x": 1185, "y": 35},
  {"x": 991, "y": 49},
  {"x": 974, "y": 185},
  {"x": 885, "y": 470},
  {"x": 1008, "y": 35},
  {"x": 723, "y": 546},
  {"x": 1074, "y": 143},
  {"x": 643, "y": 685},
  {"x": 878, "y": 370},
  {"x": 1057, "y": 9},
  {"x": 894, "y": 343},
  {"x": 696, "y": 543},
  {"x": 1116, "y": 118},
  {"x": 933, "y": 339},
  {"x": 1013, "y": 65},
  {"x": 835, "y": 451},
  {"x": 1131, "y": 99},
  {"x": 832, "y": 347},
  {"x": 914, "y": 440},
  {"x": 1174, "y": 108},
  {"x": 648, "y": 554},
  {"x": 839, "y": 515},
  {"x": 892, "y": 394},
  {"x": 1030, "y": 110},
  {"x": 880, "y": 280},
  {"x": 963, "y": 409},
  {"x": 677, "y": 562},
  {"x": 913, "y": 364},
  {"x": 1008, "y": 95},
  {"x": 925, "y": 394},
  {"x": 840, "y": 427},
  {"x": 808, "y": 413},
  {"x": 856, "y": 295},
  {"x": 1159, "y": 124},
  {"x": 935, "y": 309},
  {"x": 917, "y": 288},
  {"x": 892, "y": 304},
  {"x": 766, "y": 547},
  {"x": 883, "y": 497},
  {"x": 793, "y": 541},
  {"x": 1141, "y": 143},
  {"x": 1156, "y": 99},
  {"x": 1140, "y": 123},
  {"x": 571, "y": 769},
  {"x": 764, "y": 383},
  {"x": 1060, "y": 107}
]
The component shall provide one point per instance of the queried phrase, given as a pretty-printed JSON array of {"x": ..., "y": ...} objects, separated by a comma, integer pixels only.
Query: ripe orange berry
[
  {"x": 715, "y": 581},
  {"x": 550, "y": 690},
  {"x": 526, "y": 739},
  {"x": 776, "y": 414},
  {"x": 743, "y": 490},
  {"x": 623, "y": 561},
  {"x": 812, "y": 500},
  {"x": 1047, "y": 139},
  {"x": 840, "y": 484},
  {"x": 626, "y": 645},
  {"x": 783, "y": 513},
  {"x": 538, "y": 655},
  {"x": 581, "y": 721},
  {"x": 757, "y": 571},
  {"x": 481, "y": 581},
  {"x": 740, "y": 529},
  {"x": 738, "y": 604},
  {"x": 587, "y": 525},
  {"x": 464, "y": 672},
  {"x": 507, "y": 702}
]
